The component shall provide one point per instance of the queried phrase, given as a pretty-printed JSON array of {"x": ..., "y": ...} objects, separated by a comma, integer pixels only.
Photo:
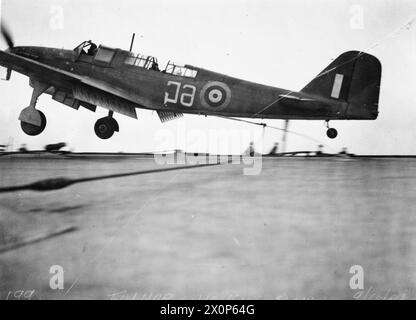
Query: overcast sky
[{"x": 279, "y": 43}]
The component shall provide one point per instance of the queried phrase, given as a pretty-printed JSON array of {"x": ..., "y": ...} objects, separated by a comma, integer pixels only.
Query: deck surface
[{"x": 293, "y": 231}]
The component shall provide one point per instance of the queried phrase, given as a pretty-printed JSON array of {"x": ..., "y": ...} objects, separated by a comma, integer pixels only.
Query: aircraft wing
[{"x": 57, "y": 76}]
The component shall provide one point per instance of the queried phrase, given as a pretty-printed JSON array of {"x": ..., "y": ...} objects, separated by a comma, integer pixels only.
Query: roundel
[{"x": 215, "y": 95}]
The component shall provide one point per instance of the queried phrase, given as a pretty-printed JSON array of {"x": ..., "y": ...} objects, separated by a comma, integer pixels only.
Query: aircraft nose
[
  {"x": 14, "y": 50},
  {"x": 28, "y": 52}
]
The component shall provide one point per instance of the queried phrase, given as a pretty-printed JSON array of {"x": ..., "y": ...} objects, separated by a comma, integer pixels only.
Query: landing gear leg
[
  {"x": 331, "y": 132},
  {"x": 104, "y": 128},
  {"x": 33, "y": 121}
]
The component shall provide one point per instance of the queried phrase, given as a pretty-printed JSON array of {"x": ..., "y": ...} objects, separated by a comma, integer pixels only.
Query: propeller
[{"x": 7, "y": 35}]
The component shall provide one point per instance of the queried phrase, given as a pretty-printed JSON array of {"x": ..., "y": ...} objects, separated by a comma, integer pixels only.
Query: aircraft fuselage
[{"x": 208, "y": 93}]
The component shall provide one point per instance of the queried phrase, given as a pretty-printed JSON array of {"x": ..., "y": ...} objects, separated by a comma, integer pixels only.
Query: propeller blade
[{"x": 7, "y": 36}]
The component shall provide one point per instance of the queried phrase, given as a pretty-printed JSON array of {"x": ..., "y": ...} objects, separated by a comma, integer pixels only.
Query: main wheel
[
  {"x": 332, "y": 133},
  {"x": 104, "y": 128},
  {"x": 115, "y": 124},
  {"x": 31, "y": 129}
]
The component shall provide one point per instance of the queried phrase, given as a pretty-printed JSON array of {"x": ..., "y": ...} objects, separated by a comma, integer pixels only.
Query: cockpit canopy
[
  {"x": 104, "y": 55},
  {"x": 149, "y": 62},
  {"x": 177, "y": 70},
  {"x": 141, "y": 60},
  {"x": 87, "y": 47}
]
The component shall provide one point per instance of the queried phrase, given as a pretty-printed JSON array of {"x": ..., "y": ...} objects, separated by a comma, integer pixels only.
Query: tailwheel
[
  {"x": 104, "y": 128},
  {"x": 332, "y": 133},
  {"x": 31, "y": 129}
]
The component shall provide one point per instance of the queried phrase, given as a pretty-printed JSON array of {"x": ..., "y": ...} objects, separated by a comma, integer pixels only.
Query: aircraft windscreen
[{"x": 80, "y": 46}]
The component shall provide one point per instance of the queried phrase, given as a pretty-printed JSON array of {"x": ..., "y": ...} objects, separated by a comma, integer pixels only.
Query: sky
[{"x": 281, "y": 43}]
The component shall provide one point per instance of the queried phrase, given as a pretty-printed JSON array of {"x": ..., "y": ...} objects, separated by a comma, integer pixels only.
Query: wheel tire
[
  {"x": 114, "y": 124},
  {"x": 31, "y": 129},
  {"x": 104, "y": 128},
  {"x": 332, "y": 133}
]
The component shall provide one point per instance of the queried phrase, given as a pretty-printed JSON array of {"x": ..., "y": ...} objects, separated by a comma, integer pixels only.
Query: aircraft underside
[{"x": 33, "y": 121}]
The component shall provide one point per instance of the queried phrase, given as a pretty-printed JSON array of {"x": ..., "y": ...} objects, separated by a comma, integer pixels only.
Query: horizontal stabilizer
[
  {"x": 292, "y": 97},
  {"x": 168, "y": 115}
]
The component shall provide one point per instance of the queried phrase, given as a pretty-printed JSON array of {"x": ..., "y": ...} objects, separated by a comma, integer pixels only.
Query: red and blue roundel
[{"x": 215, "y": 95}]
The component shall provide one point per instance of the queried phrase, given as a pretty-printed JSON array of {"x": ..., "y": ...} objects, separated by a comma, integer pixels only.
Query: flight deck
[{"x": 187, "y": 234}]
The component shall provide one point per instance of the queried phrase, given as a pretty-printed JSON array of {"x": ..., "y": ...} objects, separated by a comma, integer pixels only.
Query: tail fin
[{"x": 353, "y": 77}]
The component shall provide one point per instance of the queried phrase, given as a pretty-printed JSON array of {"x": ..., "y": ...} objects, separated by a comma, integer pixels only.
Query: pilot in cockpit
[
  {"x": 88, "y": 48},
  {"x": 92, "y": 50},
  {"x": 155, "y": 66}
]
